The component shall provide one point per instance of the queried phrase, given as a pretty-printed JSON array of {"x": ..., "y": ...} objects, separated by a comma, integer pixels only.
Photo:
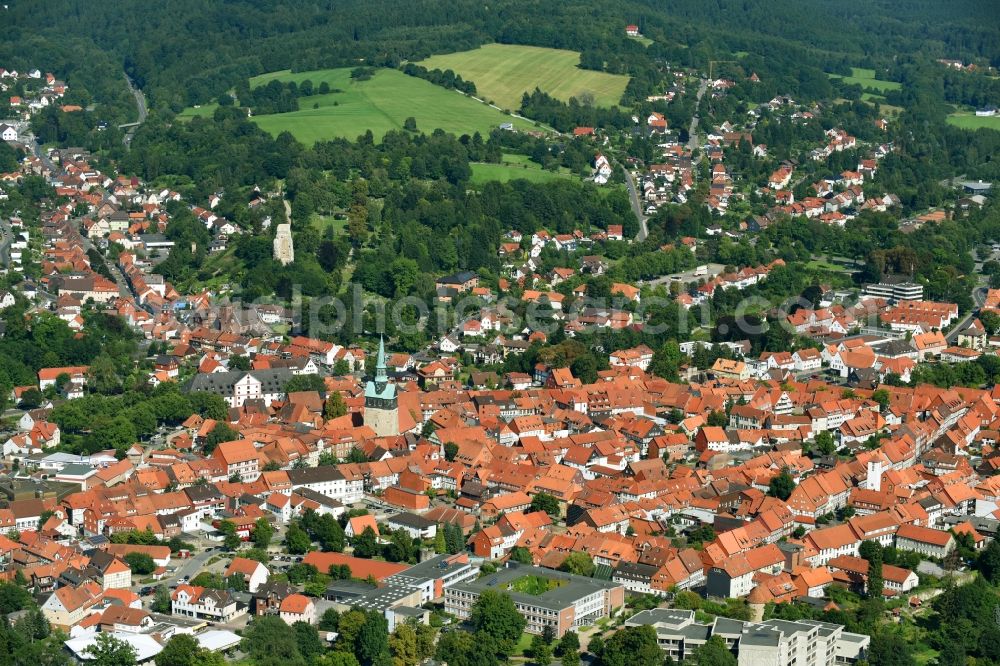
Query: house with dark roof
[
  {"x": 566, "y": 602},
  {"x": 416, "y": 526},
  {"x": 267, "y": 599},
  {"x": 236, "y": 388},
  {"x": 450, "y": 286}
]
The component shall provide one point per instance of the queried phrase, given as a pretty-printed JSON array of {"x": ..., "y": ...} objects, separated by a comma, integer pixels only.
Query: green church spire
[{"x": 380, "y": 369}]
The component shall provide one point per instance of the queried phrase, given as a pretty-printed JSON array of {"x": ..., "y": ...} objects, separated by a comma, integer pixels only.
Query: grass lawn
[
  {"x": 645, "y": 41},
  {"x": 535, "y": 585},
  {"x": 380, "y": 104},
  {"x": 324, "y": 222},
  {"x": 866, "y": 79},
  {"x": 206, "y": 110},
  {"x": 514, "y": 167},
  {"x": 820, "y": 265},
  {"x": 888, "y": 108},
  {"x": 970, "y": 121},
  {"x": 522, "y": 645},
  {"x": 484, "y": 173},
  {"x": 504, "y": 72}
]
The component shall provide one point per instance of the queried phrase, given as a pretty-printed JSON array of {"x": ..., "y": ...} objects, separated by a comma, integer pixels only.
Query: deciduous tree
[
  {"x": 632, "y": 646},
  {"x": 373, "y": 639},
  {"x": 872, "y": 552},
  {"x": 262, "y": 533},
  {"x": 781, "y": 485},
  {"x": 545, "y": 502},
  {"x": 365, "y": 544},
  {"x": 297, "y": 540},
  {"x": 494, "y": 614},
  {"x": 713, "y": 653},
  {"x": 269, "y": 643},
  {"x": 140, "y": 563},
  {"x": 579, "y": 563},
  {"x": 403, "y": 645},
  {"x": 110, "y": 651}
]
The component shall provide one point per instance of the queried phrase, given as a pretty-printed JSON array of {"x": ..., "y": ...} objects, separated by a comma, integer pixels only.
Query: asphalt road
[
  {"x": 140, "y": 104},
  {"x": 633, "y": 193},
  {"x": 189, "y": 567},
  {"x": 693, "y": 129},
  {"x": 36, "y": 148},
  {"x": 687, "y": 277},
  {"x": 978, "y": 297},
  {"x": 633, "y": 196},
  {"x": 7, "y": 235}
]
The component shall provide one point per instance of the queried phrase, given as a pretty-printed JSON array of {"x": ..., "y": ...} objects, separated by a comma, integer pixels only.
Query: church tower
[{"x": 381, "y": 405}]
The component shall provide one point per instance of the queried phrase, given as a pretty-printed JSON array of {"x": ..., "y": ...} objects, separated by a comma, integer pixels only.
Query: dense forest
[{"x": 186, "y": 52}]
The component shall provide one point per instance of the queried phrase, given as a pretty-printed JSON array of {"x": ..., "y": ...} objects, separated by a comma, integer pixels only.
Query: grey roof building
[
  {"x": 416, "y": 526},
  {"x": 803, "y": 643},
  {"x": 565, "y": 601},
  {"x": 238, "y": 387}
]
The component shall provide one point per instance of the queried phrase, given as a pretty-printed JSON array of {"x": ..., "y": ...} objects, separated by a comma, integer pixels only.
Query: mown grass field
[
  {"x": 379, "y": 104},
  {"x": 514, "y": 167},
  {"x": 866, "y": 79},
  {"x": 885, "y": 106},
  {"x": 970, "y": 121},
  {"x": 325, "y": 222},
  {"x": 821, "y": 265},
  {"x": 504, "y": 72},
  {"x": 205, "y": 110}
]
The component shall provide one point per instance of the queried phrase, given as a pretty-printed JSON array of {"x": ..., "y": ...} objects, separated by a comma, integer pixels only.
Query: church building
[{"x": 381, "y": 404}]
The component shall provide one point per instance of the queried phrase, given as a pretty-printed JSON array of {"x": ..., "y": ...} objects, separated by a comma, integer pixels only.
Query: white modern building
[
  {"x": 328, "y": 481},
  {"x": 771, "y": 643}
]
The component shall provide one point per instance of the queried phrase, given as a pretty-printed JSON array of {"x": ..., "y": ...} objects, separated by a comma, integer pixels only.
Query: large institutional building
[
  {"x": 770, "y": 643},
  {"x": 566, "y": 602}
]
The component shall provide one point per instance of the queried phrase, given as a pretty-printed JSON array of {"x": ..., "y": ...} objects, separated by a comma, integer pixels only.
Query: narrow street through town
[
  {"x": 633, "y": 195},
  {"x": 693, "y": 129},
  {"x": 630, "y": 183},
  {"x": 140, "y": 104}
]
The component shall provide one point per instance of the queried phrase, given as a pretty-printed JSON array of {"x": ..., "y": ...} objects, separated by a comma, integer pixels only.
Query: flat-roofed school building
[{"x": 568, "y": 602}]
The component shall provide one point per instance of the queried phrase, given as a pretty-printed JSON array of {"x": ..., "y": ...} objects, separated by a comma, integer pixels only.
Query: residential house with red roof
[
  {"x": 253, "y": 572},
  {"x": 297, "y": 608},
  {"x": 240, "y": 458}
]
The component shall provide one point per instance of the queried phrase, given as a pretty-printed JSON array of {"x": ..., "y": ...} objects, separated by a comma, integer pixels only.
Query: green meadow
[
  {"x": 866, "y": 79},
  {"x": 380, "y": 104},
  {"x": 504, "y": 72},
  {"x": 515, "y": 167}
]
